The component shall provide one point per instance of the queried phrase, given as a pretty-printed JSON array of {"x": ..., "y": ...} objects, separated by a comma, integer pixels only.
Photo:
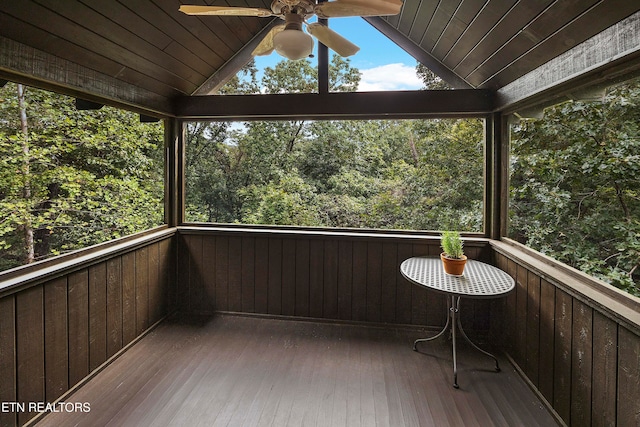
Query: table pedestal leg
[
  {"x": 446, "y": 326},
  {"x": 475, "y": 346},
  {"x": 453, "y": 319},
  {"x": 453, "y": 309}
]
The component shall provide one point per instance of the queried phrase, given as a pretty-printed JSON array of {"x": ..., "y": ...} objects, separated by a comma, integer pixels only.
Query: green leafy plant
[{"x": 452, "y": 244}]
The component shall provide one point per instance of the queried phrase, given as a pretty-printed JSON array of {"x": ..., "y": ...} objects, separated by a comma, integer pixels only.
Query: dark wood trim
[
  {"x": 582, "y": 364},
  {"x": 74, "y": 386},
  {"x": 8, "y": 366},
  {"x": 56, "y": 331},
  {"x": 180, "y": 192},
  {"x": 233, "y": 65},
  {"x": 30, "y": 348},
  {"x": 357, "y": 105},
  {"x": 605, "y": 357},
  {"x": 172, "y": 136},
  {"x": 576, "y": 347},
  {"x": 24, "y": 64},
  {"x": 320, "y": 275},
  {"x": 409, "y": 236},
  {"x": 504, "y": 185},
  {"x": 323, "y": 63},
  {"x": 97, "y": 315},
  {"x": 78, "y": 324},
  {"x": 418, "y": 53},
  {"x": 20, "y": 278},
  {"x": 330, "y": 230},
  {"x": 604, "y": 59},
  {"x": 494, "y": 169},
  {"x": 56, "y": 338},
  {"x": 610, "y": 301},
  {"x": 628, "y": 401}
]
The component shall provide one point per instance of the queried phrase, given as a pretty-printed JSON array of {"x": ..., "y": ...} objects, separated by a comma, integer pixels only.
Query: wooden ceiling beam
[
  {"x": 23, "y": 64},
  {"x": 338, "y": 105}
]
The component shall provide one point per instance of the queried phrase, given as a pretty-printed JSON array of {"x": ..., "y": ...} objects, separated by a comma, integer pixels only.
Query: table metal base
[{"x": 453, "y": 319}]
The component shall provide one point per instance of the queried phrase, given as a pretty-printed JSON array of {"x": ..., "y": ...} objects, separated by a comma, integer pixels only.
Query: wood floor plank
[
  {"x": 234, "y": 370},
  {"x": 236, "y": 389},
  {"x": 297, "y": 384},
  {"x": 400, "y": 374},
  {"x": 263, "y": 379}
]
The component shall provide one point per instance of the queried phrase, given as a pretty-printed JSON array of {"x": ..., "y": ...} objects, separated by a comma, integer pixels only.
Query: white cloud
[{"x": 389, "y": 77}]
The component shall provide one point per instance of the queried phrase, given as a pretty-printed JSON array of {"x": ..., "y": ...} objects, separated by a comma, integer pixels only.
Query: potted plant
[{"x": 453, "y": 257}]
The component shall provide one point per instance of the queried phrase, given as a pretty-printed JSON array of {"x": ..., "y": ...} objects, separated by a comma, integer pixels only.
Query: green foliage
[
  {"x": 575, "y": 193},
  {"x": 452, "y": 244},
  {"x": 430, "y": 79},
  {"x": 289, "y": 201},
  {"x": 91, "y": 175},
  {"x": 362, "y": 174}
]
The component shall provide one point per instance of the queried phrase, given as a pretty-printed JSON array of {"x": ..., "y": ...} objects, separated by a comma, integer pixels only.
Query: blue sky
[{"x": 384, "y": 66}]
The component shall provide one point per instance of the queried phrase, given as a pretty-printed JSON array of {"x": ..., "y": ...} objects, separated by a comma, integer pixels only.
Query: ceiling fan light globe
[{"x": 293, "y": 44}]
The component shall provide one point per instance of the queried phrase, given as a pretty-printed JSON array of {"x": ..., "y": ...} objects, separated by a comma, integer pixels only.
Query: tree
[
  {"x": 431, "y": 80},
  {"x": 225, "y": 158},
  {"x": 352, "y": 173},
  {"x": 74, "y": 178},
  {"x": 575, "y": 190}
]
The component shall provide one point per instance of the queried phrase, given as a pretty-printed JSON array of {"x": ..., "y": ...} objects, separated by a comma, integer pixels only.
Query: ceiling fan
[{"x": 288, "y": 39}]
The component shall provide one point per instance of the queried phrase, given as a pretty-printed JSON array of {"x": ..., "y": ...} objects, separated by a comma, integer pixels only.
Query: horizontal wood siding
[
  {"x": 582, "y": 361},
  {"x": 323, "y": 277},
  {"x": 53, "y": 334}
]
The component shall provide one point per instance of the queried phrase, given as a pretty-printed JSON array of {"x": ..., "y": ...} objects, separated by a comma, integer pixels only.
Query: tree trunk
[
  {"x": 414, "y": 151},
  {"x": 26, "y": 179}
]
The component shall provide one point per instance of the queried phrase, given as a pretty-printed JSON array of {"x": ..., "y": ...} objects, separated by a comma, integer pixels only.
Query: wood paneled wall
[
  {"x": 583, "y": 361},
  {"x": 580, "y": 356},
  {"x": 331, "y": 276},
  {"x": 54, "y": 334}
]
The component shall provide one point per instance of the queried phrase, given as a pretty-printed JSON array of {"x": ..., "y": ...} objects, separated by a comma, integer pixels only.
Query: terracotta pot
[{"x": 453, "y": 266}]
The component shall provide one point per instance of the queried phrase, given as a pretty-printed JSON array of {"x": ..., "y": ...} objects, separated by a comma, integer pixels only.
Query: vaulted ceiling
[{"x": 146, "y": 54}]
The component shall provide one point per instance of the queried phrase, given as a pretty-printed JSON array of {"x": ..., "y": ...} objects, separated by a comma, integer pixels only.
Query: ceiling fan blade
[
  {"x": 332, "y": 40},
  {"x": 224, "y": 11},
  {"x": 266, "y": 47},
  {"x": 344, "y": 8}
]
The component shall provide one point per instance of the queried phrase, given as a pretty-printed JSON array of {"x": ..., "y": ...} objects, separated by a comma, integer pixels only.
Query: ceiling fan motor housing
[
  {"x": 292, "y": 42},
  {"x": 299, "y": 7}
]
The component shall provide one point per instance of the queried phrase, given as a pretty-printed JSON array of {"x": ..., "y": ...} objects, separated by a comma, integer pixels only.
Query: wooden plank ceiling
[
  {"x": 491, "y": 43},
  {"x": 150, "y": 46}
]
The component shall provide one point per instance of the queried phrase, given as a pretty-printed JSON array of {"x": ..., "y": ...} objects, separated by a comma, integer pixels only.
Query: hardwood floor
[{"x": 244, "y": 371}]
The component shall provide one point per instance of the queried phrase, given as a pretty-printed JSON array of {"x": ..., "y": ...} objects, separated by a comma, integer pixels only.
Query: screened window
[
  {"x": 70, "y": 179},
  {"x": 407, "y": 174},
  {"x": 575, "y": 192}
]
